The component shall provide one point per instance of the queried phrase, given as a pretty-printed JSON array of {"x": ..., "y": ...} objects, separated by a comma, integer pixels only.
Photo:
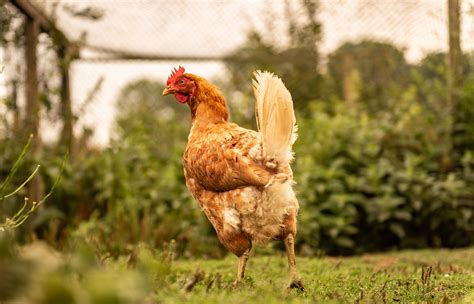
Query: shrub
[{"x": 374, "y": 183}]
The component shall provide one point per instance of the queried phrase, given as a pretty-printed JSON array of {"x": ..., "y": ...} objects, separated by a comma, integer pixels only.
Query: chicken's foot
[
  {"x": 241, "y": 269},
  {"x": 295, "y": 281}
]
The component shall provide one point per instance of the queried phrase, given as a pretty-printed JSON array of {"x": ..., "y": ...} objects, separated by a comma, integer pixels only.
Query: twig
[{"x": 197, "y": 277}]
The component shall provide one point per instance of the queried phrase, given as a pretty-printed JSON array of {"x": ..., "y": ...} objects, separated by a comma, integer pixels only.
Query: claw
[{"x": 297, "y": 283}]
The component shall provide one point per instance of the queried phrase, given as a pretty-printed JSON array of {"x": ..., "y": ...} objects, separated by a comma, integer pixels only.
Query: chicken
[{"x": 242, "y": 179}]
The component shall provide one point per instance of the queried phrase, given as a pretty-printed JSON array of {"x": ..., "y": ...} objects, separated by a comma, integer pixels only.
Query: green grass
[
  {"x": 36, "y": 274},
  {"x": 378, "y": 278}
]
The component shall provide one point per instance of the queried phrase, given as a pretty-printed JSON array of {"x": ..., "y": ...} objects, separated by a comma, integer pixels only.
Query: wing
[{"x": 226, "y": 157}]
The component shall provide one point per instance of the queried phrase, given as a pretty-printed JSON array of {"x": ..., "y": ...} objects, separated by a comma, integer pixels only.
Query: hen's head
[
  {"x": 183, "y": 86},
  {"x": 197, "y": 91}
]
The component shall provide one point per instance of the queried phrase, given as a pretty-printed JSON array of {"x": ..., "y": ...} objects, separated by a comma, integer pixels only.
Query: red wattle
[{"x": 181, "y": 97}]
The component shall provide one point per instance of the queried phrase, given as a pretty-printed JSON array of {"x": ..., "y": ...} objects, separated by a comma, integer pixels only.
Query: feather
[{"x": 275, "y": 117}]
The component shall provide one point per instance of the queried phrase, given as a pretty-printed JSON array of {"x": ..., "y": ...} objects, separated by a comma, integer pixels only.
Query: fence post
[
  {"x": 454, "y": 77},
  {"x": 31, "y": 79},
  {"x": 67, "y": 135},
  {"x": 455, "y": 53},
  {"x": 32, "y": 102}
]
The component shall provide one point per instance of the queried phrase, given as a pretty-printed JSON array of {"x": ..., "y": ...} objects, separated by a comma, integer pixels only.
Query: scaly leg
[
  {"x": 290, "y": 251},
  {"x": 241, "y": 269}
]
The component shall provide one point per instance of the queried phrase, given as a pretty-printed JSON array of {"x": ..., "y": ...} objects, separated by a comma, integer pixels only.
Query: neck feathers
[{"x": 208, "y": 104}]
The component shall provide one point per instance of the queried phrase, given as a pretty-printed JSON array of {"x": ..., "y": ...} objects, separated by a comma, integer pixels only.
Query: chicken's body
[
  {"x": 242, "y": 183},
  {"x": 224, "y": 171}
]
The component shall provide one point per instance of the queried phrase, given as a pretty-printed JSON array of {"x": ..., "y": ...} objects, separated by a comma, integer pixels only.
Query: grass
[
  {"x": 379, "y": 278},
  {"x": 37, "y": 274}
]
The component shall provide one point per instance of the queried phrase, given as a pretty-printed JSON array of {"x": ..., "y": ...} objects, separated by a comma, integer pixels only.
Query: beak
[{"x": 168, "y": 91}]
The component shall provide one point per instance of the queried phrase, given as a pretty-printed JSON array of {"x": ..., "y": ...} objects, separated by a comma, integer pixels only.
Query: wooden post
[
  {"x": 31, "y": 80},
  {"x": 32, "y": 101},
  {"x": 454, "y": 80},
  {"x": 67, "y": 135},
  {"x": 455, "y": 54},
  {"x": 42, "y": 22}
]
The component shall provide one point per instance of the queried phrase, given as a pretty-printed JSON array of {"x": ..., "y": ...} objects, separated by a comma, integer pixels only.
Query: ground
[
  {"x": 448, "y": 276},
  {"x": 36, "y": 273}
]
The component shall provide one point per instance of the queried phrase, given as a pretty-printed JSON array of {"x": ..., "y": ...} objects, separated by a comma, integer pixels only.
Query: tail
[{"x": 275, "y": 117}]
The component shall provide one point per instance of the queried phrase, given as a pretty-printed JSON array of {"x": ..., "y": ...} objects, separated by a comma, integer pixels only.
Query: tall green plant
[{"x": 27, "y": 209}]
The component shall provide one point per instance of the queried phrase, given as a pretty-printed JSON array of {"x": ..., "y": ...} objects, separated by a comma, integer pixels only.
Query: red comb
[{"x": 174, "y": 74}]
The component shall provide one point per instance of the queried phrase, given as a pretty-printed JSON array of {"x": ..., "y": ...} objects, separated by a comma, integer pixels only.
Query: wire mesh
[{"x": 200, "y": 34}]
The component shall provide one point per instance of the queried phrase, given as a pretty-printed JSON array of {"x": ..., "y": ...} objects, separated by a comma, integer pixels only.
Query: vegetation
[
  {"x": 378, "y": 164},
  {"x": 363, "y": 194},
  {"x": 299, "y": 57},
  {"x": 384, "y": 162},
  {"x": 37, "y": 274},
  {"x": 354, "y": 74}
]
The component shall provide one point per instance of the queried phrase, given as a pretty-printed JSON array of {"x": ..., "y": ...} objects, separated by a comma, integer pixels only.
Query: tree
[
  {"x": 430, "y": 77},
  {"x": 379, "y": 66},
  {"x": 296, "y": 63}
]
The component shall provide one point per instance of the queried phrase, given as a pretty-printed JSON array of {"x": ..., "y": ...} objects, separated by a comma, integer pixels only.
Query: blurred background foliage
[{"x": 381, "y": 162}]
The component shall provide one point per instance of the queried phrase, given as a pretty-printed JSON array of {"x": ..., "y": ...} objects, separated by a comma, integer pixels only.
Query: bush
[{"x": 374, "y": 183}]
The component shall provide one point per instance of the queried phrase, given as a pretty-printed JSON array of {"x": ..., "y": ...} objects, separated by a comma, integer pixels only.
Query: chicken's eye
[{"x": 181, "y": 82}]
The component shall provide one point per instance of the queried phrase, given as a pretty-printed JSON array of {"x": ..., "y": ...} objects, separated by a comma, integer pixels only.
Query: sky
[{"x": 216, "y": 27}]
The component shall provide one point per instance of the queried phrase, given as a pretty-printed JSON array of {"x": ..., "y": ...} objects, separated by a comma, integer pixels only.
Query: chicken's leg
[
  {"x": 290, "y": 251},
  {"x": 241, "y": 269}
]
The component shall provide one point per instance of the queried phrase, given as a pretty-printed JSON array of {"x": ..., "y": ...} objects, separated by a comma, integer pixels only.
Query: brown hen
[{"x": 242, "y": 179}]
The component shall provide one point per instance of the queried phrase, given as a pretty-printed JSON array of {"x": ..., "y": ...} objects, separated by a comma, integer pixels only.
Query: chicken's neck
[{"x": 208, "y": 106}]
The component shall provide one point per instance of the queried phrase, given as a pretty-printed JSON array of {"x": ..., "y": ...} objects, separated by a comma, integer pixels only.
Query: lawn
[
  {"x": 38, "y": 274},
  {"x": 448, "y": 276}
]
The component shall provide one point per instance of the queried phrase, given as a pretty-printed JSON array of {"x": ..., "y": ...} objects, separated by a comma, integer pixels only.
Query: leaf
[{"x": 397, "y": 229}]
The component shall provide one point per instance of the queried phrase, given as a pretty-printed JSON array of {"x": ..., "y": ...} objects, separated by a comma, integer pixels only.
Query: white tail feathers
[{"x": 275, "y": 117}]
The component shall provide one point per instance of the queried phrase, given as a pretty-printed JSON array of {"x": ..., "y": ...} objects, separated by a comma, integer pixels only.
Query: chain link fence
[{"x": 121, "y": 41}]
